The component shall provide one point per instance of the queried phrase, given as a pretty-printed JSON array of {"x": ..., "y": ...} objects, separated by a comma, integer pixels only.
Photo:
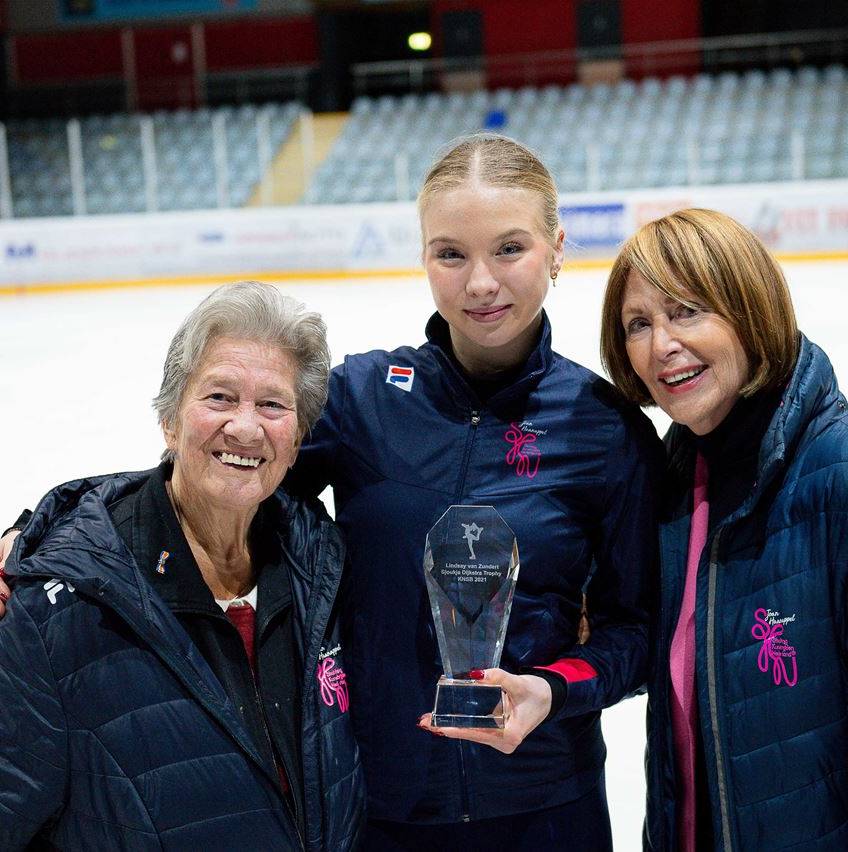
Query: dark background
[{"x": 299, "y": 49}]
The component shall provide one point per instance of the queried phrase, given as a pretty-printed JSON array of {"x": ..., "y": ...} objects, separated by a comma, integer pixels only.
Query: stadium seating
[
  {"x": 113, "y": 161},
  {"x": 727, "y": 128}
]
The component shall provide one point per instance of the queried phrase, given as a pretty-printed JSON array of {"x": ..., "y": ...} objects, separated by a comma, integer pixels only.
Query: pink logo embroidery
[
  {"x": 333, "y": 683},
  {"x": 523, "y": 453},
  {"x": 775, "y": 650}
]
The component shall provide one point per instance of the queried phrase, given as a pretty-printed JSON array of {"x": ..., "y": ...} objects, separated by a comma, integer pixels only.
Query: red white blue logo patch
[{"x": 401, "y": 377}]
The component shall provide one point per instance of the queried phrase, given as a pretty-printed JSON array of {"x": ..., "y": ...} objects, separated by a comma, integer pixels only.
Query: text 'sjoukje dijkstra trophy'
[{"x": 471, "y": 565}]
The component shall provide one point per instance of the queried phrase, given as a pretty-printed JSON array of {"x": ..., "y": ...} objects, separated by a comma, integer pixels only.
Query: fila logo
[
  {"x": 401, "y": 377},
  {"x": 53, "y": 587}
]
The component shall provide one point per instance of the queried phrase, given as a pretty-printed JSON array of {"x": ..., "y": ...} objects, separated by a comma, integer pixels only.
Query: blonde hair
[
  {"x": 705, "y": 257},
  {"x": 495, "y": 161}
]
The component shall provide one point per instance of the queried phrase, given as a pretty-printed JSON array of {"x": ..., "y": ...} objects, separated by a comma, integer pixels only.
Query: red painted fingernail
[
  {"x": 4, "y": 597},
  {"x": 476, "y": 674}
]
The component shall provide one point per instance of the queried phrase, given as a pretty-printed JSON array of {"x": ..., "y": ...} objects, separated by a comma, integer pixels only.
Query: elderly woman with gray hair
[{"x": 170, "y": 671}]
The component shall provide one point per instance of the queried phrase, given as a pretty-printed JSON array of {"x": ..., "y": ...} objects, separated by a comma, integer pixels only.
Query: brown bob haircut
[{"x": 702, "y": 258}]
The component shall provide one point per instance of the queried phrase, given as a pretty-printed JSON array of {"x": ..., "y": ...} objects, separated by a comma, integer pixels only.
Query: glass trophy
[{"x": 471, "y": 566}]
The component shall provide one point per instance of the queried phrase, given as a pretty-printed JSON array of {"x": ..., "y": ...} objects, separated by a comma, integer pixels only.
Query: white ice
[{"x": 78, "y": 371}]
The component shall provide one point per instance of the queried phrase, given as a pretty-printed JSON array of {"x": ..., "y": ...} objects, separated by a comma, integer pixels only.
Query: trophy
[{"x": 471, "y": 566}]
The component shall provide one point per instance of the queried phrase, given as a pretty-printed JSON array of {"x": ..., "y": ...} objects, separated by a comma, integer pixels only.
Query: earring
[{"x": 554, "y": 273}]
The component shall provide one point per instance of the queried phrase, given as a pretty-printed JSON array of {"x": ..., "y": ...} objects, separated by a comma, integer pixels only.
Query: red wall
[
  {"x": 519, "y": 26},
  {"x": 663, "y": 20},
  {"x": 58, "y": 58},
  {"x": 164, "y": 55},
  {"x": 164, "y": 67},
  {"x": 515, "y": 26},
  {"x": 232, "y": 45},
  {"x": 660, "y": 20}
]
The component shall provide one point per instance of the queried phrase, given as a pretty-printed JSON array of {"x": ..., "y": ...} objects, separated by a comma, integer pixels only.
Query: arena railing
[{"x": 711, "y": 55}]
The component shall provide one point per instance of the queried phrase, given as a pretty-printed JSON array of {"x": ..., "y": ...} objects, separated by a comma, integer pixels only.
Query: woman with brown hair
[{"x": 748, "y": 732}]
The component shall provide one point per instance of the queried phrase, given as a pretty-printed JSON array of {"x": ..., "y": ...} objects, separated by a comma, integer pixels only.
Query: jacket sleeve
[
  {"x": 314, "y": 469},
  {"x": 613, "y": 662},
  {"x": 33, "y": 732},
  {"x": 21, "y": 522}
]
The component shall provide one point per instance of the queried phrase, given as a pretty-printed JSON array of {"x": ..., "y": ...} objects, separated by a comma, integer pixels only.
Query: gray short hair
[{"x": 250, "y": 311}]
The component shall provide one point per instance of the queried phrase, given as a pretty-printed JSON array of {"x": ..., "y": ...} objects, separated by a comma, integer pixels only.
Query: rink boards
[{"x": 796, "y": 220}]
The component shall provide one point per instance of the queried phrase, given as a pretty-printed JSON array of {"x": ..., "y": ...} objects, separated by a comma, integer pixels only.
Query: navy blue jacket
[
  {"x": 569, "y": 467},
  {"x": 771, "y": 634},
  {"x": 115, "y": 734}
]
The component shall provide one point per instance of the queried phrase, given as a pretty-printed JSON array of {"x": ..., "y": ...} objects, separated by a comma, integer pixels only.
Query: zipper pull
[{"x": 475, "y": 418}]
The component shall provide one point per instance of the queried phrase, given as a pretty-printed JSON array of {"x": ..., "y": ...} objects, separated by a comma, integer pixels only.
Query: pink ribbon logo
[
  {"x": 333, "y": 683},
  {"x": 775, "y": 650},
  {"x": 523, "y": 453}
]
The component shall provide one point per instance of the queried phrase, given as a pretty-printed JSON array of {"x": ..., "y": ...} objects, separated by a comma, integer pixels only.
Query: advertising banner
[
  {"x": 806, "y": 217},
  {"x": 360, "y": 239},
  {"x": 258, "y": 241}
]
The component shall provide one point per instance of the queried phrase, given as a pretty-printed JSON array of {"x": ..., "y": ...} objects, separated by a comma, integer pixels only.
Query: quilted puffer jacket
[
  {"x": 114, "y": 732},
  {"x": 771, "y": 619}
]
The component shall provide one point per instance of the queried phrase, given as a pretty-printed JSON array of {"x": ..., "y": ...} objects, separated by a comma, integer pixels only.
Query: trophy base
[{"x": 467, "y": 704}]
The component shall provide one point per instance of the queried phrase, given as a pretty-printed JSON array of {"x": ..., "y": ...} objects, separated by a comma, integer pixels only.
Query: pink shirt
[{"x": 684, "y": 705}]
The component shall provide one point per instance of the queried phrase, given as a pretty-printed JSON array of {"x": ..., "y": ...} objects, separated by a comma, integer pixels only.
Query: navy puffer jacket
[
  {"x": 771, "y": 620},
  {"x": 115, "y": 734}
]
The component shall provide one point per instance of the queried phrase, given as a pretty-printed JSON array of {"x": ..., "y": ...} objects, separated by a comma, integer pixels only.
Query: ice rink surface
[{"x": 78, "y": 371}]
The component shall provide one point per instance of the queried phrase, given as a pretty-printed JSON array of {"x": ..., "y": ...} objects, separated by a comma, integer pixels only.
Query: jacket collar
[
  {"x": 536, "y": 365},
  {"x": 811, "y": 392},
  {"x": 74, "y": 519},
  {"x": 167, "y": 563}
]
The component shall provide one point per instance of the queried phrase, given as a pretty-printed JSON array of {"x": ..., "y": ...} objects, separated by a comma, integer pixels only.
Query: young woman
[
  {"x": 489, "y": 415},
  {"x": 485, "y": 412},
  {"x": 748, "y": 733}
]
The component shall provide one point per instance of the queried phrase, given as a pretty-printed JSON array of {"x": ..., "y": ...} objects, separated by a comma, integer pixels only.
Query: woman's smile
[
  {"x": 487, "y": 315},
  {"x": 239, "y": 462}
]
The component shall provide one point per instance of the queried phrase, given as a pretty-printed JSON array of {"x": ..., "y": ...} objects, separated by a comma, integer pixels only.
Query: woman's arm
[
  {"x": 618, "y": 594},
  {"x": 6, "y": 543},
  {"x": 33, "y": 731}
]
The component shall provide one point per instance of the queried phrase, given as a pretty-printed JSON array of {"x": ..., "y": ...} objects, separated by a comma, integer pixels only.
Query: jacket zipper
[
  {"x": 465, "y": 816},
  {"x": 290, "y": 802},
  {"x": 712, "y": 688},
  {"x": 474, "y": 419},
  {"x": 312, "y": 628}
]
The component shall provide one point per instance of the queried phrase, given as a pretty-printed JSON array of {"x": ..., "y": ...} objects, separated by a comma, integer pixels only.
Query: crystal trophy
[{"x": 471, "y": 566}]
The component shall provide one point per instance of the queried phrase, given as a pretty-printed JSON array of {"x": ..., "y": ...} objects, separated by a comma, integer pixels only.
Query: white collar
[{"x": 249, "y": 598}]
